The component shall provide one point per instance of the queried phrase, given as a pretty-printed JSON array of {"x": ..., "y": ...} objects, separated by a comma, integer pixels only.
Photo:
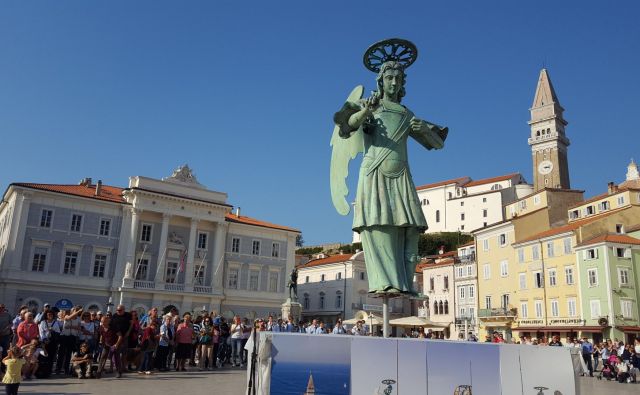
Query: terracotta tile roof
[
  {"x": 107, "y": 192},
  {"x": 492, "y": 180},
  {"x": 114, "y": 194},
  {"x": 630, "y": 184},
  {"x": 611, "y": 238},
  {"x": 230, "y": 217},
  {"x": 460, "y": 180},
  {"x": 330, "y": 259},
  {"x": 467, "y": 244},
  {"x": 569, "y": 227},
  {"x": 420, "y": 267}
]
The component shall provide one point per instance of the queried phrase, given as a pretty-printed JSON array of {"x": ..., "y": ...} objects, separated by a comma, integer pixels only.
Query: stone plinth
[{"x": 291, "y": 308}]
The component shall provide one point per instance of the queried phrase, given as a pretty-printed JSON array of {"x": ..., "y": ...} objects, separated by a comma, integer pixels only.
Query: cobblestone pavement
[{"x": 224, "y": 381}]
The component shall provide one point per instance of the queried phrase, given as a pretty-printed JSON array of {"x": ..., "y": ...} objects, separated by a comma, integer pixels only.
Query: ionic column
[
  {"x": 18, "y": 228},
  {"x": 162, "y": 252},
  {"x": 130, "y": 266},
  {"x": 190, "y": 268},
  {"x": 217, "y": 269}
]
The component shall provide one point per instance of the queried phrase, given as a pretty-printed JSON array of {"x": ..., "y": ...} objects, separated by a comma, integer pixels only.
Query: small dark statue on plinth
[{"x": 293, "y": 285}]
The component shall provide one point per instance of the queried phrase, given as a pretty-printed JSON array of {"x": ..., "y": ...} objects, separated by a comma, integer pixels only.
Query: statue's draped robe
[{"x": 387, "y": 211}]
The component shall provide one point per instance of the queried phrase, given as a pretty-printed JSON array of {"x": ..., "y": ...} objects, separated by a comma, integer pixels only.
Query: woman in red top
[
  {"x": 184, "y": 335},
  {"x": 27, "y": 331}
]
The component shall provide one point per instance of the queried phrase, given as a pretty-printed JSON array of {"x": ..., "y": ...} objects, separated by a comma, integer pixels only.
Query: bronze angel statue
[{"x": 387, "y": 212}]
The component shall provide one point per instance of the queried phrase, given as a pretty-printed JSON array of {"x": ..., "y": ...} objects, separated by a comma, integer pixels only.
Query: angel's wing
[{"x": 344, "y": 149}]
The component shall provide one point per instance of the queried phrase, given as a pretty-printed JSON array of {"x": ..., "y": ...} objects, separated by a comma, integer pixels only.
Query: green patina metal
[{"x": 387, "y": 211}]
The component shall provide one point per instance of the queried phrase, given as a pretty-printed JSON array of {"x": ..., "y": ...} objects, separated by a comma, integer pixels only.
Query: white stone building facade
[
  {"x": 465, "y": 272},
  {"x": 337, "y": 286},
  {"x": 438, "y": 279},
  {"x": 169, "y": 242}
]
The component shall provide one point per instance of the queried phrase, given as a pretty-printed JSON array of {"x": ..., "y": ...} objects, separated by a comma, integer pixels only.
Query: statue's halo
[{"x": 393, "y": 49}]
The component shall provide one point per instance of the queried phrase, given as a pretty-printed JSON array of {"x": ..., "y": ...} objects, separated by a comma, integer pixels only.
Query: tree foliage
[
  {"x": 430, "y": 243},
  {"x": 308, "y": 250},
  {"x": 299, "y": 240}
]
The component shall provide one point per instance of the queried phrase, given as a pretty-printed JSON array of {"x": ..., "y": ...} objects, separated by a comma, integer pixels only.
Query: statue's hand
[{"x": 416, "y": 124}]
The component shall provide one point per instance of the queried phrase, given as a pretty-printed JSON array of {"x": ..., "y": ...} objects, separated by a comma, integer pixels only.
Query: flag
[{"x": 183, "y": 258}]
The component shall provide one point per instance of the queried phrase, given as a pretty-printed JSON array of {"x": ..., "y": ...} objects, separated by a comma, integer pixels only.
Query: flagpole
[
  {"x": 160, "y": 263},
  {"x": 195, "y": 277},
  {"x": 135, "y": 272}
]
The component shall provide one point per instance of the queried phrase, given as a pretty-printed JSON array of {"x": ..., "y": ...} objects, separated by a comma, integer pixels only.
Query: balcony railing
[
  {"x": 174, "y": 287},
  {"x": 201, "y": 289},
  {"x": 143, "y": 284},
  {"x": 502, "y": 312}
]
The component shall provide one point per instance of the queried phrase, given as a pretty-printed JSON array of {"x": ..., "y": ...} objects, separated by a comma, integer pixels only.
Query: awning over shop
[
  {"x": 413, "y": 321},
  {"x": 632, "y": 329},
  {"x": 364, "y": 316},
  {"x": 559, "y": 329}
]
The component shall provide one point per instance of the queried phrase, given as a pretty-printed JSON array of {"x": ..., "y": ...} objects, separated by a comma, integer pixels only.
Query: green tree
[
  {"x": 430, "y": 243},
  {"x": 299, "y": 240}
]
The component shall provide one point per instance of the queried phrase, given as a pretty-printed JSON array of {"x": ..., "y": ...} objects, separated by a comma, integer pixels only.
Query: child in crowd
[
  {"x": 108, "y": 338},
  {"x": 14, "y": 363},
  {"x": 81, "y": 361},
  {"x": 31, "y": 352}
]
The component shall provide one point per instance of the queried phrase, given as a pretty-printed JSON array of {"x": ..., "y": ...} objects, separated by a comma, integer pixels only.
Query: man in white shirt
[
  {"x": 358, "y": 329},
  {"x": 313, "y": 327}
]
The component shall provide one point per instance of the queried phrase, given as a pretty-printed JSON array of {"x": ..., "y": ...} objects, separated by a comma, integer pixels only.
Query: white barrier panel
[{"x": 351, "y": 365}]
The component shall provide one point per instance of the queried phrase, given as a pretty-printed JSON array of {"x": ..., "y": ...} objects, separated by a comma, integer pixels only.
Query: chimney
[
  {"x": 610, "y": 187},
  {"x": 238, "y": 212},
  {"x": 98, "y": 187},
  {"x": 85, "y": 181}
]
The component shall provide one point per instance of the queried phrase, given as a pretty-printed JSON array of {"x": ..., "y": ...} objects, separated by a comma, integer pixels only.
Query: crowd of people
[
  {"x": 90, "y": 344},
  {"x": 608, "y": 360}
]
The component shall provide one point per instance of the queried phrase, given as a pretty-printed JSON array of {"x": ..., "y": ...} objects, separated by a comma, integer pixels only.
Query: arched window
[
  {"x": 446, "y": 307},
  {"x": 306, "y": 301},
  {"x": 437, "y": 215},
  {"x": 339, "y": 276},
  {"x": 538, "y": 133},
  {"x": 440, "y": 308},
  {"x": 338, "y": 299},
  {"x": 435, "y": 308}
]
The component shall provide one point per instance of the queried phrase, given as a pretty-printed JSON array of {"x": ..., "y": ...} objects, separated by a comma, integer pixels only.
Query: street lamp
[
  {"x": 109, "y": 304},
  {"x": 370, "y": 323}
]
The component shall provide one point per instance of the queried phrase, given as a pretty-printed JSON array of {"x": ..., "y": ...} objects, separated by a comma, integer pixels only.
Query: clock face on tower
[{"x": 545, "y": 167}]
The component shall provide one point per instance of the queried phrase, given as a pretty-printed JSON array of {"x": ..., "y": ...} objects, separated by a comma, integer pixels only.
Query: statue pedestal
[{"x": 291, "y": 308}]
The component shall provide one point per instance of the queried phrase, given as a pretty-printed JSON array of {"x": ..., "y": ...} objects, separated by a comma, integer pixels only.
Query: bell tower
[{"x": 548, "y": 140}]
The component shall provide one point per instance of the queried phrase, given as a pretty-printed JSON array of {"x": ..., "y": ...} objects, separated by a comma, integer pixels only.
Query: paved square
[{"x": 224, "y": 381}]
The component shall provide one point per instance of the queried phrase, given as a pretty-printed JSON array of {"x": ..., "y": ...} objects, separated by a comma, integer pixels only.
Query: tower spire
[
  {"x": 545, "y": 94},
  {"x": 548, "y": 140}
]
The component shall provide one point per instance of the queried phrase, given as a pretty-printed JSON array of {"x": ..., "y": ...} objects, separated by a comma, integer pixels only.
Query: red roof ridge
[
  {"x": 107, "y": 192},
  {"x": 446, "y": 182},
  {"x": 113, "y": 194},
  {"x": 328, "y": 260},
  {"x": 611, "y": 238},
  {"x": 243, "y": 219},
  {"x": 492, "y": 179}
]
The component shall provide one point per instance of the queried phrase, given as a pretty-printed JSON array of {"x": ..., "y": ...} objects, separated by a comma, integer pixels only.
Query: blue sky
[{"x": 245, "y": 92}]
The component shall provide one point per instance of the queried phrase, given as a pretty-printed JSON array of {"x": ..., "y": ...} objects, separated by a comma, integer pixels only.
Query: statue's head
[{"x": 391, "y": 67}]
